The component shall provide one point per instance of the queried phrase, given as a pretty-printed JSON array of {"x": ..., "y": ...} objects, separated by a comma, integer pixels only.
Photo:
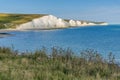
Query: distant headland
[{"x": 40, "y": 21}]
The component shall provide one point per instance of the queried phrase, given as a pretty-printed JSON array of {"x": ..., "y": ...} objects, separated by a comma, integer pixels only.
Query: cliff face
[
  {"x": 39, "y": 21},
  {"x": 50, "y": 21},
  {"x": 44, "y": 22}
]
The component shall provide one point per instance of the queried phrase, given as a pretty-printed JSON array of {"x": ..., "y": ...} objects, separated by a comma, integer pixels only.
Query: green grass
[
  {"x": 12, "y": 20},
  {"x": 60, "y": 64}
]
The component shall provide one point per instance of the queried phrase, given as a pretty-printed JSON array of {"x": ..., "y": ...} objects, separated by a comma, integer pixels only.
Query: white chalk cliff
[{"x": 50, "y": 21}]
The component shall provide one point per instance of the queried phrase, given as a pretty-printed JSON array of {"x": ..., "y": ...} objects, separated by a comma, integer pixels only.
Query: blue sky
[{"x": 95, "y": 10}]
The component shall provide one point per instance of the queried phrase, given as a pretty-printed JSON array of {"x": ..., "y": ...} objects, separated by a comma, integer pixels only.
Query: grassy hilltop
[{"x": 12, "y": 20}]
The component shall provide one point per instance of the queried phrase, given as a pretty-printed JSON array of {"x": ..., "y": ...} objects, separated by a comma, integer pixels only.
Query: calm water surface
[{"x": 104, "y": 39}]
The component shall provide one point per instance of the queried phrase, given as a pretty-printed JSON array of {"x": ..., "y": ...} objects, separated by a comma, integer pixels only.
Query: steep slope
[
  {"x": 44, "y": 22},
  {"x": 39, "y": 21},
  {"x": 50, "y": 22}
]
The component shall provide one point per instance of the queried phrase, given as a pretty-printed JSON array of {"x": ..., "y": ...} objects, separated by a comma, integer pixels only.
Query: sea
[{"x": 103, "y": 39}]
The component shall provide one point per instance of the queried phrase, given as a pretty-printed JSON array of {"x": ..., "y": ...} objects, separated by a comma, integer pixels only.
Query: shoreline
[{"x": 10, "y": 30}]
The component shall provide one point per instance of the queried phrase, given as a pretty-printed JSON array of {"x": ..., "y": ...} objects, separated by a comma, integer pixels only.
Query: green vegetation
[
  {"x": 60, "y": 64},
  {"x": 12, "y": 20}
]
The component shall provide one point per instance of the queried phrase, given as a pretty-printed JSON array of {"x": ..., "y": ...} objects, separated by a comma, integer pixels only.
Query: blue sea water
[{"x": 104, "y": 39}]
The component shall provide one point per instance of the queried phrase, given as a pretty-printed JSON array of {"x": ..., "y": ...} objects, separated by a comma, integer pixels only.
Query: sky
[{"x": 91, "y": 10}]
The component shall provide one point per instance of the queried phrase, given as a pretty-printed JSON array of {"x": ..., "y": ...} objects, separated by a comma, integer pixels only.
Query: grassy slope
[
  {"x": 11, "y": 20},
  {"x": 59, "y": 65}
]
